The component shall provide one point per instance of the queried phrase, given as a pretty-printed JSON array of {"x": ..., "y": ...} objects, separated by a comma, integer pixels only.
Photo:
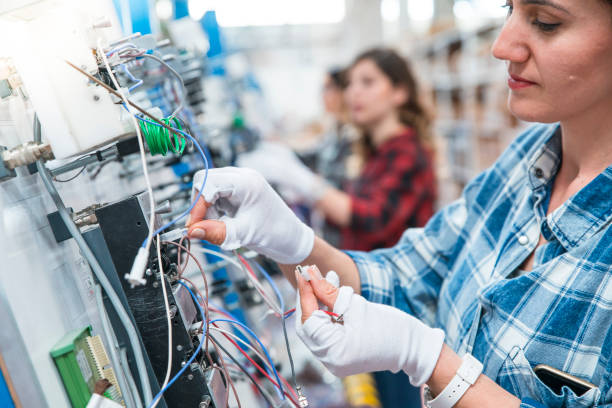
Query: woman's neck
[
  {"x": 587, "y": 144},
  {"x": 586, "y": 152},
  {"x": 385, "y": 129}
]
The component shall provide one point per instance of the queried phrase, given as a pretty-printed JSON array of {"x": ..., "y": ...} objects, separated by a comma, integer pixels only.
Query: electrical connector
[
  {"x": 302, "y": 400},
  {"x": 136, "y": 275},
  {"x": 25, "y": 154},
  {"x": 302, "y": 270},
  {"x": 308, "y": 271},
  {"x": 174, "y": 234}
]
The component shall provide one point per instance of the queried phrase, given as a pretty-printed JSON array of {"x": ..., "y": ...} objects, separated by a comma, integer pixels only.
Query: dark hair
[
  {"x": 398, "y": 70},
  {"x": 338, "y": 76}
]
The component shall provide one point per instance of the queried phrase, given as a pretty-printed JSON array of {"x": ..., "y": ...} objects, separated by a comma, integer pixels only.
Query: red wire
[
  {"x": 261, "y": 370},
  {"x": 246, "y": 264},
  {"x": 213, "y": 309},
  {"x": 252, "y": 273},
  {"x": 289, "y": 387}
]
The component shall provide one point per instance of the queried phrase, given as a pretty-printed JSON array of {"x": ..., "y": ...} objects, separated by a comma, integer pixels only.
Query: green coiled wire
[{"x": 158, "y": 138}]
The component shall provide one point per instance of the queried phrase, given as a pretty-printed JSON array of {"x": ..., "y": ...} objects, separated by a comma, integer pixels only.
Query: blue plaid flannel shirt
[{"x": 458, "y": 274}]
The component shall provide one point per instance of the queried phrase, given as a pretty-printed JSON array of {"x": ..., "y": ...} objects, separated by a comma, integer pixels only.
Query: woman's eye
[
  {"x": 546, "y": 27},
  {"x": 508, "y": 6}
]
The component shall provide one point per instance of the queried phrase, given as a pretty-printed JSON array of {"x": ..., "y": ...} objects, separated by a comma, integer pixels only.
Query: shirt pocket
[{"x": 517, "y": 376}]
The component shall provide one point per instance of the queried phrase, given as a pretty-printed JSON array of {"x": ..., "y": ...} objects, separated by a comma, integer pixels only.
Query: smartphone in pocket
[{"x": 556, "y": 379}]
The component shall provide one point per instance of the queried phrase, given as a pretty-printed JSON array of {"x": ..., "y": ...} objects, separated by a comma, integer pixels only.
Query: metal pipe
[
  {"x": 110, "y": 153},
  {"x": 97, "y": 269}
]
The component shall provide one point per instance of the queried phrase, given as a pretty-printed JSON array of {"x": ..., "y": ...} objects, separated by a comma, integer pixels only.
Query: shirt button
[
  {"x": 539, "y": 173},
  {"x": 523, "y": 240}
]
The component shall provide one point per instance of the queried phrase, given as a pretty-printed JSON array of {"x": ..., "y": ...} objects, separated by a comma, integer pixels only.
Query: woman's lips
[{"x": 516, "y": 82}]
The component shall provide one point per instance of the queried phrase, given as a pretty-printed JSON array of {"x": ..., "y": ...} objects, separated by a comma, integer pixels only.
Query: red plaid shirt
[{"x": 395, "y": 191}]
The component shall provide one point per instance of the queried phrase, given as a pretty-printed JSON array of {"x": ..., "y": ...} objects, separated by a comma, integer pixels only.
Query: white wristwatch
[{"x": 467, "y": 374}]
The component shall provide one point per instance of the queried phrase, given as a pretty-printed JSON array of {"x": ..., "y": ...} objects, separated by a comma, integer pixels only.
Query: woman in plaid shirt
[
  {"x": 514, "y": 274},
  {"x": 396, "y": 188}
]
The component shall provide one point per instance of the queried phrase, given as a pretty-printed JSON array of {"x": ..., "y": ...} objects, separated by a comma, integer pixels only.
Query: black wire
[
  {"x": 295, "y": 384},
  {"x": 71, "y": 178},
  {"x": 99, "y": 169},
  {"x": 244, "y": 370}
]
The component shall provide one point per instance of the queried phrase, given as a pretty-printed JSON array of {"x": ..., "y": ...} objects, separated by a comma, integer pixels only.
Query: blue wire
[
  {"x": 274, "y": 287},
  {"x": 114, "y": 50},
  {"x": 234, "y": 318},
  {"x": 197, "y": 145},
  {"x": 132, "y": 78},
  {"x": 241, "y": 335},
  {"x": 223, "y": 310},
  {"x": 280, "y": 385},
  {"x": 194, "y": 127},
  {"x": 197, "y": 351}
]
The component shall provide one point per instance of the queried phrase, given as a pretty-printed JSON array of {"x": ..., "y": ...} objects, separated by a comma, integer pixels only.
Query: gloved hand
[
  {"x": 281, "y": 167},
  {"x": 238, "y": 208},
  {"x": 373, "y": 337}
]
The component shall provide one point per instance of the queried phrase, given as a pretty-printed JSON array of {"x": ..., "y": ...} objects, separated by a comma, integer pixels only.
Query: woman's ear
[{"x": 400, "y": 96}]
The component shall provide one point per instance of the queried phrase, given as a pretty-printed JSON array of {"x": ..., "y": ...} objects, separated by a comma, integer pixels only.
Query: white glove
[
  {"x": 281, "y": 167},
  {"x": 240, "y": 209},
  {"x": 374, "y": 337}
]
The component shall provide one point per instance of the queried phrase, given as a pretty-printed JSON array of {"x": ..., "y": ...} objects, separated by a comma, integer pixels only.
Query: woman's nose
[{"x": 512, "y": 42}]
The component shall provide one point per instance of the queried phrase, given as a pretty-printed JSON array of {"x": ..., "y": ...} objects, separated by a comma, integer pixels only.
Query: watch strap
[{"x": 467, "y": 374}]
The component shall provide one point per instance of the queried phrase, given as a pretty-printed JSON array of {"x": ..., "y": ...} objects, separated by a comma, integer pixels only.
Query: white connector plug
[
  {"x": 136, "y": 275},
  {"x": 302, "y": 400},
  {"x": 174, "y": 234},
  {"x": 308, "y": 271}
]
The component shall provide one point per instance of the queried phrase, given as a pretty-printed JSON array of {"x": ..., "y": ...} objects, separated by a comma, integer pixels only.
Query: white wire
[
  {"x": 256, "y": 283},
  {"x": 140, "y": 143},
  {"x": 246, "y": 344},
  {"x": 169, "y": 318}
]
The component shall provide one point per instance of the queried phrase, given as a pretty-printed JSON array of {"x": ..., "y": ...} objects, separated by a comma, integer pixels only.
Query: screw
[
  {"x": 205, "y": 403},
  {"x": 190, "y": 377},
  {"x": 149, "y": 272},
  {"x": 179, "y": 347},
  {"x": 96, "y": 98},
  {"x": 155, "y": 284}
]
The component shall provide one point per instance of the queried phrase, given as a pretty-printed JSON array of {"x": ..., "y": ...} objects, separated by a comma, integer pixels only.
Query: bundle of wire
[
  {"x": 158, "y": 138},
  {"x": 159, "y": 141},
  {"x": 268, "y": 371},
  {"x": 201, "y": 189}
]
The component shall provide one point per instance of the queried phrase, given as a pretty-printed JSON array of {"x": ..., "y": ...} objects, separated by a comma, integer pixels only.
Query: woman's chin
[{"x": 532, "y": 112}]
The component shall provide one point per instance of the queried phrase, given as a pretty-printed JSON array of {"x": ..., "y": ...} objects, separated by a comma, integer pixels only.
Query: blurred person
[
  {"x": 396, "y": 188},
  {"x": 511, "y": 278}
]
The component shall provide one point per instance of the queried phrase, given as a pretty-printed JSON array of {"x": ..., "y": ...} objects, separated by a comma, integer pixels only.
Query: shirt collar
[
  {"x": 544, "y": 163},
  {"x": 583, "y": 214}
]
